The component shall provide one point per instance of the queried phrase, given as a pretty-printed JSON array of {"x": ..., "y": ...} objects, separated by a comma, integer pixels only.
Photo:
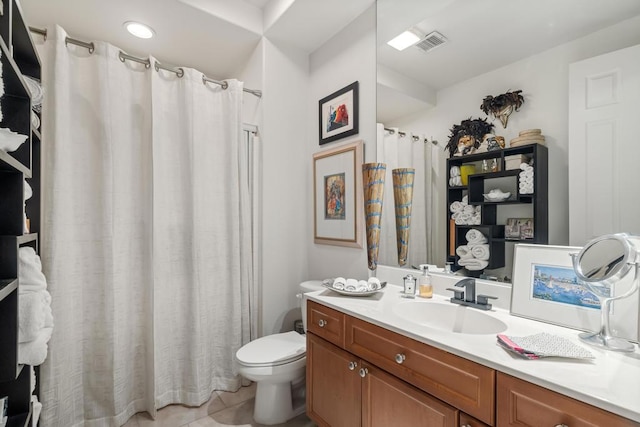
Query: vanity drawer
[
  {"x": 521, "y": 403},
  {"x": 326, "y": 323},
  {"x": 459, "y": 382}
]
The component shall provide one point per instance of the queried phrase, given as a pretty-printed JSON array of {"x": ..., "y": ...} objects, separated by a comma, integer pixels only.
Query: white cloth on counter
[
  {"x": 30, "y": 274},
  {"x": 475, "y": 236},
  {"x": 473, "y": 264},
  {"x": 35, "y": 352},
  {"x": 480, "y": 251}
]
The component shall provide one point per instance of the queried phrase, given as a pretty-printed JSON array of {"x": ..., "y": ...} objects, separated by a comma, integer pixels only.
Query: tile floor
[{"x": 223, "y": 409}]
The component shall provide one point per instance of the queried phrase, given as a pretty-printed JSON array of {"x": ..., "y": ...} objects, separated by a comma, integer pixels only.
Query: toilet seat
[{"x": 273, "y": 350}]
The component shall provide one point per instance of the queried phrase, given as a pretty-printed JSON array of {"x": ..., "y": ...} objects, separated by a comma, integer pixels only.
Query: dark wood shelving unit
[
  {"x": 478, "y": 184},
  {"x": 19, "y": 59}
]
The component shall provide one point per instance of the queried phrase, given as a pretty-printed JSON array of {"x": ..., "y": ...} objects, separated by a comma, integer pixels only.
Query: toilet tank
[{"x": 308, "y": 286}]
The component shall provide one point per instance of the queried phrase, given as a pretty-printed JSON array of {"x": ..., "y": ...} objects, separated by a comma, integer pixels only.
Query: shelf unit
[
  {"x": 492, "y": 222},
  {"x": 19, "y": 58}
]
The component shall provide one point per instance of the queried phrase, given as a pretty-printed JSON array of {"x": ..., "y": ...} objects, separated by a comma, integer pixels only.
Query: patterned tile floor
[{"x": 223, "y": 409}]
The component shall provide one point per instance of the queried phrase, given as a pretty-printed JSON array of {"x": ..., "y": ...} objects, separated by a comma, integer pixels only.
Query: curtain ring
[{"x": 180, "y": 72}]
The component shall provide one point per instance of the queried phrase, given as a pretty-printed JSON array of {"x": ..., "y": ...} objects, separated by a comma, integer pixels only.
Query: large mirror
[{"x": 472, "y": 49}]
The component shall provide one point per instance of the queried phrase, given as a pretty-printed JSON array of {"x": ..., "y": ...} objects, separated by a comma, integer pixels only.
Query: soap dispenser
[
  {"x": 425, "y": 288},
  {"x": 409, "y": 286}
]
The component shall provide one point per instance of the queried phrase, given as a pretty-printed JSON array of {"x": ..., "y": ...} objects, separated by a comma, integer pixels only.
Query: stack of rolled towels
[
  {"x": 525, "y": 179},
  {"x": 455, "y": 179},
  {"x": 475, "y": 254},
  {"x": 35, "y": 320},
  {"x": 465, "y": 214},
  {"x": 355, "y": 285}
]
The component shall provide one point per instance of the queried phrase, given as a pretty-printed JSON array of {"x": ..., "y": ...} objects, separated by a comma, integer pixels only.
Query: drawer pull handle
[
  {"x": 352, "y": 366},
  {"x": 363, "y": 372},
  {"x": 466, "y": 425},
  {"x": 322, "y": 323},
  {"x": 561, "y": 425},
  {"x": 400, "y": 358}
]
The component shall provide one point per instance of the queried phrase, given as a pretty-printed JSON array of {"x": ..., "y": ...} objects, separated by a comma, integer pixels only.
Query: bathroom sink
[{"x": 449, "y": 317}]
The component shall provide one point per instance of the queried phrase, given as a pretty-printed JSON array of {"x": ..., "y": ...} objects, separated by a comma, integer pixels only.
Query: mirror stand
[{"x": 604, "y": 338}]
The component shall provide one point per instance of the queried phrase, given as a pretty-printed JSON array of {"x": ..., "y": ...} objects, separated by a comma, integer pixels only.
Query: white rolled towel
[
  {"x": 373, "y": 283},
  {"x": 35, "y": 352},
  {"x": 527, "y": 172},
  {"x": 454, "y": 171},
  {"x": 37, "y": 409},
  {"x": 475, "y": 236},
  {"x": 468, "y": 209},
  {"x": 463, "y": 219},
  {"x": 28, "y": 191},
  {"x": 351, "y": 285},
  {"x": 465, "y": 200},
  {"x": 458, "y": 181},
  {"x": 473, "y": 264},
  {"x": 475, "y": 220},
  {"x": 463, "y": 252},
  {"x": 30, "y": 274},
  {"x": 480, "y": 251},
  {"x": 456, "y": 207},
  {"x": 525, "y": 166},
  {"x": 339, "y": 283},
  {"x": 362, "y": 286},
  {"x": 31, "y": 315}
]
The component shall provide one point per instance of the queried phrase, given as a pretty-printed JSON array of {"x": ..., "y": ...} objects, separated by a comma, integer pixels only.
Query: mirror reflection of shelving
[{"x": 508, "y": 196}]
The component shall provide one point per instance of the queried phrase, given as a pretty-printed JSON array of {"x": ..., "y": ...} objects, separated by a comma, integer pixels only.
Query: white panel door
[{"x": 604, "y": 145}]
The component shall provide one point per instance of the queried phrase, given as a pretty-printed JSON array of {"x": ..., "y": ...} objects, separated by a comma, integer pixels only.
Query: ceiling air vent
[{"x": 431, "y": 41}]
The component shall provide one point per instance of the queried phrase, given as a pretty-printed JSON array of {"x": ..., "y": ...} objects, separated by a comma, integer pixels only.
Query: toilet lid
[{"x": 273, "y": 349}]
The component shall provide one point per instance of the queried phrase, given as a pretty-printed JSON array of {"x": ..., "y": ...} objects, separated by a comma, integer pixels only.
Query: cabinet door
[
  {"x": 387, "y": 401},
  {"x": 523, "y": 404},
  {"x": 333, "y": 388}
]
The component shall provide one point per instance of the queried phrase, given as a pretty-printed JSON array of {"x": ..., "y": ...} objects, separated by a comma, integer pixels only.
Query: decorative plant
[
  {"x": 467, "y": 136},
  {"x": 502, "y": 106}
]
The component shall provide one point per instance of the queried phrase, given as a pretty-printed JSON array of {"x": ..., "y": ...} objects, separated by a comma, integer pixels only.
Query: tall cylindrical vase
[
  {"x": 373, "y": 175},
  {"x": 403, "y": 198}
]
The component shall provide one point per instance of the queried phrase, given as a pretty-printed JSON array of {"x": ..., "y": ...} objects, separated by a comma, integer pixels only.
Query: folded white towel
[
  {"x": 35, "y": 352},
  {"x": 475, "y": 236},
  {"x": 10, "y": 140},
  {"x": 30, "y": 274},
  {"x": 480, "y": 251},
  {"x": 31, "y": 315},
  {"x": 37, "y": 409},
  {"x": 463, "y": 252},
  {"x": 468, "y": 209},
  {"x": 456, "y": 207},
  {"x": 473, "y": 264}
]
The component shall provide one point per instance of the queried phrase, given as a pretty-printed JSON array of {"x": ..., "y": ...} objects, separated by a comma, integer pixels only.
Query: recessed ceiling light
[
  {"x": 139, "y": 30},
  {"x": 404, "y": 40}
]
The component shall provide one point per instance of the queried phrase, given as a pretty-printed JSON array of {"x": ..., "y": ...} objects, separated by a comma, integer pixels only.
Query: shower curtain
[
  {"x": 146, "y": 236},
  {"x": 399, "y": 151}
]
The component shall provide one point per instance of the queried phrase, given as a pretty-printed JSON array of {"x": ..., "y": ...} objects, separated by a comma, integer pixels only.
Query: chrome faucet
[{"x": 468, "y": 295}]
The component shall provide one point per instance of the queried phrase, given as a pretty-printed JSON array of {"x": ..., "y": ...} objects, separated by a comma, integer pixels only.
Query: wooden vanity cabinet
[
  {"x": 523, "y": 404},
  {"x": 346, "y": 389}
]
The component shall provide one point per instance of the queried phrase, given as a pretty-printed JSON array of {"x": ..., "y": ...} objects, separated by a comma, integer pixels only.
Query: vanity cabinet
[
  {"x": 523, "y": 404},
  {"x": 494, "y": 213},
  {"x": 365, "y": 375},
  {"x": 18, "y": 58}
]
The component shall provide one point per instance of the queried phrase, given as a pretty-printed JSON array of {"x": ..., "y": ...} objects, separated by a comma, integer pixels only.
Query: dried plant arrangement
[
  {"x": 467, "y": 136},
  {"x": 503, "y": 105}
]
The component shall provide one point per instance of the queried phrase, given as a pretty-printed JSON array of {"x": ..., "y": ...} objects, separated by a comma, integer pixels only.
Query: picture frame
[
  {"x": 338, "y": 114},
  {"x": 519, "y": 229},
  {"x": 337, "y": 195},
  {"x": 545, "y": 288}
]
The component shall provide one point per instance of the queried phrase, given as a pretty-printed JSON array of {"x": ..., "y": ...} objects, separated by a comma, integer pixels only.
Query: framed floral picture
[
  {"x": 337, "y": 194},
  {"x": 338, "y": 114}
]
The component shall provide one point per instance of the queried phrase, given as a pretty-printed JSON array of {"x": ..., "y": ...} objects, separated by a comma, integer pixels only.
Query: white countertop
[{"x": 611, "y": 381}]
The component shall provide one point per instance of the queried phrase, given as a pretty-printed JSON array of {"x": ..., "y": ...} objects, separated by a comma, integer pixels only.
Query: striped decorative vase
[
  {"x": 403, "y": 198},
  {"x": 373, "y": 175}
]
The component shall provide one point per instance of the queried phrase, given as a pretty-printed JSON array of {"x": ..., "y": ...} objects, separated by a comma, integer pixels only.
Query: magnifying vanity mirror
[{"x": 601, "y": 264}]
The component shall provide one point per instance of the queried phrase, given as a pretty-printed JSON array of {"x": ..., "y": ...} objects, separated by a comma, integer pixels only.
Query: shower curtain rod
[
  {"x": 179, "y": 71},
  {"x": 415, "y": 138}
]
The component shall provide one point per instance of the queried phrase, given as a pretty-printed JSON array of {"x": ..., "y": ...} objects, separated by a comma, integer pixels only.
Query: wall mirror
[{"x": 469, "y": 50}]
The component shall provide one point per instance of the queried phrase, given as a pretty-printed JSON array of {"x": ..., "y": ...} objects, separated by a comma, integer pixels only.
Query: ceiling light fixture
[
  {"x": 139, "y": 30},
  {"x": 404, "y": 40}
]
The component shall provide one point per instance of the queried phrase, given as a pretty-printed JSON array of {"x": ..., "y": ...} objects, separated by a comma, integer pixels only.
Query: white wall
[
  {"x": 347, "y": 57},
  {"x": 544, "y": 81},
  {"x": 284, "y": 190}
]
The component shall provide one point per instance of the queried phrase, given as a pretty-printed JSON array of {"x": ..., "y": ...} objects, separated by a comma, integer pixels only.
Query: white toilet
[{"x": 277, "y": 364}]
